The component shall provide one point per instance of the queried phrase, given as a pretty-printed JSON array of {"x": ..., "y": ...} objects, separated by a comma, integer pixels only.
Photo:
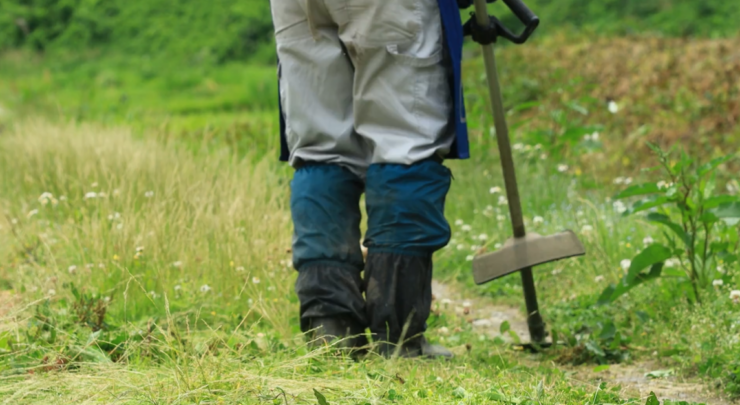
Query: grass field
[{"x": 145, "y": 235}]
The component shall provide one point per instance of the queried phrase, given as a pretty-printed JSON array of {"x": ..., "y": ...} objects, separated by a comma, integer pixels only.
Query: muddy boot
[
  {"x": 326, "y": 330},
  {"x": 398, "y": 291}
]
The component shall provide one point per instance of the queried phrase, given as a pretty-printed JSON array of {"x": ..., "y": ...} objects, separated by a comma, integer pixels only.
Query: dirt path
[{"x": 487, "y": 318}]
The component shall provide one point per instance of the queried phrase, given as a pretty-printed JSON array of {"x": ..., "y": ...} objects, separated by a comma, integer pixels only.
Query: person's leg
[
  {"x": 316, "y": 99},
  {"x": 403, "y": 106}
]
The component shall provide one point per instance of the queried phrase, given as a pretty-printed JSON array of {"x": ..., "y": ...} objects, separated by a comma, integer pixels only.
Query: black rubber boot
[
  {"x": 324, "y": 331},
  {"x": 398, "y": 293}
]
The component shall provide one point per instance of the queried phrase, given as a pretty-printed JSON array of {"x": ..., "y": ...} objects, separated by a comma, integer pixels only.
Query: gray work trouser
[{"x": 363, "y": 81}]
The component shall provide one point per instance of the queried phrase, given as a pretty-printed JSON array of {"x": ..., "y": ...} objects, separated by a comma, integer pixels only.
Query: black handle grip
[{"x": 523, "y": 13}]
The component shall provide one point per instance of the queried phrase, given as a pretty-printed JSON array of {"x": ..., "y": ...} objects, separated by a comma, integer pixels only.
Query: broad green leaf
[
  {"x": 505, "y": 327},
  {"x": 713, "y": 164},
  {"x": 594, "y": 348},
  {"x": 653, "y": 254},
  {"x": 320, "y": 398},
  {"x": 708, "y": 218},
  {"x": 727, "y": 210},
  {"x": 646, "y": 204},
  {"x": 652, "y": 399},
  {"x": 611, "y": 293},
  {"x": 716, "y": 201},
  {"x": 601, "y": 368},
  {"x": 669, "y": 272},
  {"x": 606, "y": 295},
  {"x": 638, "y": 189},
  {"x": 676, "y": 228}
]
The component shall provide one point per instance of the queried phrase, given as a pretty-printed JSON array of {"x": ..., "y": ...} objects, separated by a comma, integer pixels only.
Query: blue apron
[{"x": 454, "y": 36}]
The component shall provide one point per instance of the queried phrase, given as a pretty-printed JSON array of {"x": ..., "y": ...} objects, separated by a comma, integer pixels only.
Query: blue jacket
[{"x": 454, "y": 36}]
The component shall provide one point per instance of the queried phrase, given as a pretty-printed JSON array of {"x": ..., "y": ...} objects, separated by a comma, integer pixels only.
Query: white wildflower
[
  {"x": 625, "y": 264},
  {"x": 595, "y": 136},
  {"x": 613, "y": 107},
  {"x": 557, "y": 271},
  {"x": 439, "y": 379},
  {"x": 672, "y": 262},
  {"x": 205, "y": 288},
  {"x": 562, "y": 168},
  {"x": 735, "y": 296},
  {"x": 517, "y": 146},
  {"x": 459, "y": 222},
  {"x": 32, "y": 213},
  {"x": 543, "y": 156},
  {"x": 619, "y": 180},
  {"x": 598, "y": 279},
  {"x": 106, "y": 298},
  {"x": 586, "y": 229},
  {"x": 240, "y": 269},
  {"x": 101, "y": 266},
  {"x": 474, "y": 248},
  {"x": 271, "y": 288},
  {"x": 52, "y": 291},
  {"x": 89, "y": 266},
  {"x": 497, "y": 246},
  {"x": 619, "y": 207},
  {"x": 102, "y": 195},
  {"x": 467, "y": 304},
  {"x": 116, "y": 192},
  {"x": 63, "y": 198},
  {"x": 647, "y": 240},
  {"x": 662, "y": 184},
  {"x": 90, "y": 195},
  {"x": 177, "y": 264},
  {"x": 502, "y": 200},
  {"x": 153, "y": 294},
  {"x": 460, "y": 247},
  {"x": 495, "y": 190},
  {"x": 538, "y": 220},
  {"x": 178, "y": 287},
  {"x": 119, "y": 226},
  {"x": 718, "y": 283},
  {"x": 149, "y": 194},
  {"x": 255, "y": 280},
  {"x": 469, "y": 258},
  {"x": 443, "y": 330},
  {"x": 139, "y": 249},
  {"x": 482, "y": 236},
  {"x": 500, "y": 218},
  {"x": 72, "y": 269},
  {"x": 628, "y": 180},
  {"x": 446, "y": 301},
  {"x": 466, "y": 228},
  {"x": 579, "y": 213},
  {"x": 94, "y": 185}
]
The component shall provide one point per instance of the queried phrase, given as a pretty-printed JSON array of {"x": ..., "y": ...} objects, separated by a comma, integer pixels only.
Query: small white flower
[
  {"x": 647, "y": 240},
  {"x": 598, "y": 279},
  {"x": 625, "y": 264},
  {"x": 106, "y": 298},
  {"x": 735, "y": 296},
  {"x": 628, "y": 180},
  {"x": 116, "y": 192},
  {"x": 718, "y": 283},
  {"x": 495, "y": 190},
  {"x": 446, "y": 301},
  {"x": 94, "y": 185},
  {"x": 139, "y": 249},
  {"x": 595, "y": 136},
  {"x": 721, "y": 270},
  {"x": 459, "y": 222},
  {"x": 497, "y": 246},
  {"x": 205, "y": 288},
  {"x": 91, "y": 194},
  {"x": 63, "y": 198},
  {"x": 271, "y": 288},
  {"x": 153, "y": 294},
  {"x": 178, "y": 287},
  {"x": 556, "y": 271},
  {"x": 613, "y": 107},
  {"x": 543, "y": 156},
  {"x": 517, "y": 146},
  {"x": 467, "y": 304},
  {"x": 469, "y": 258},
  {"x": 119, "y": 226},
  {"x": 538, "y": 220},
  {"x": 502, "y": 200},
  {"x": 71, "y": 269},
  {"x": 443, "y": 330},
  {"x": 89, "y": 266},
  {"x": 619, "y": 180},
  {"x": 586, "y": 229},
  {"x": 562, "y": 168},
  {"x": 482, "y": 236},
  {"x": 579, "y": 213},
  {"x": 255, "y": 280},
  {"x": 672, "y": 262},
  {"x": 110, "y": 217},
  {"x": 149, "y": 194},
  {"x": 500, "y": 218},
  {"x": 662, "y": 184},
  {"x": 489, "y": 207},
  {"x": 102, "y": 195},
  {"x": 460, "y": 247},
  {"x": 14, "y": 221},
  {"x": 54, "y": 292},
  {"x": 177, "y": 264},
  {"x": 474, "y": 248},
  {"x": 32, "y": 213},
  {"x": 101, "y": 266},
  {"x": 467, "y": 228},
  {"x": 619, "y": 206},
  {"x": 439, "y": 379},
  {"x": 240, "y": 269}
]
